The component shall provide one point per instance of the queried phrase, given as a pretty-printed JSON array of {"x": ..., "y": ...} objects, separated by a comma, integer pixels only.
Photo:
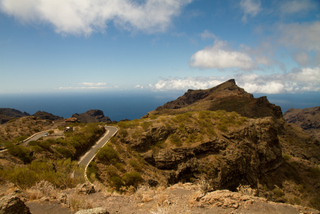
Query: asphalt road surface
[
  {"x": 86, "y": 159},
  {"x": 34, "y": 138}
]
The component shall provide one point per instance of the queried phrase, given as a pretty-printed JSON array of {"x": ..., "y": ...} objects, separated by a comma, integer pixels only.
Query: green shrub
[
  {"x": 107, "y": 154},
  {"x": 135, "y": 164},
  {"x": 19, "y": 139},
  {"x": 116, "y": 182},
  {"x": 67, "y": 153},
  {"x": 175, "y": 139},
  {"x": 314, "y": 172},
  {"x": 146, "y": 125},
  {"x": 132, "y": 179},
  {"x": 92, "y": 170},
  {"x": 222, "y": 127},
  {"x": 123, "y": 133},
  {"x": 126, "y": 124},
  {"x": 286, "y": 156},
  {"x": 55, "y": 172},
  {"x": 112, "y": 171},
  {"x": 120, "y": 167},
  {"x": 278, "y": 192},
  {"x": 20, "y": 152},
  {"x": 23, "y": 177}
]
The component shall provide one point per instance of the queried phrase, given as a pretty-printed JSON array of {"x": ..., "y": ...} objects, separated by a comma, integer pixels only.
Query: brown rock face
[
  {"x": 308, "y": 119},
  {"x": 11, "y": 204},
  {"x": 236, "y": 157}
]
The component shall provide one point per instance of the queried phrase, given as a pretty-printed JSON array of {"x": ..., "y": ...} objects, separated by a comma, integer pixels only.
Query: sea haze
[{"x": 124, "y": 105}]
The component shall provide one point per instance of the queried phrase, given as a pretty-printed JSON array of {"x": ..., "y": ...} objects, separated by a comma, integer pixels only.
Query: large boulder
[{"x": 11, "y": 204}]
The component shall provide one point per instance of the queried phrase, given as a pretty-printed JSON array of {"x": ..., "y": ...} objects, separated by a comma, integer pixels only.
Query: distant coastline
[{"x": 122, "y": 105}]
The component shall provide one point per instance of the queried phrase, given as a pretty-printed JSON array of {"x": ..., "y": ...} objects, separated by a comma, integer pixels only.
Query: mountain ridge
[{"x": 226, "y": 96}]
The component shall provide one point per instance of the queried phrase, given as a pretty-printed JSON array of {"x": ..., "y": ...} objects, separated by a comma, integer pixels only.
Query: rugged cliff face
[
  {"x": 229, "y": 158},
  {"x": 224, "y": 136},
  {"x": 308, "y": 119}
]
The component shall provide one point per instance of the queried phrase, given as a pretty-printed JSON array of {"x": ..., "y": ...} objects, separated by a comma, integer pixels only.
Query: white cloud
[
  {"x": 303, "y": 36},
  {"x": 207, "y": 35},
  {"x": 187, "y": 83},
  {"x": 297, "y": 6},
  {"x": 250, "y": 7},
  {"x": 86, "y": 85},
  {"x": 218, "y": 56},
  {"x": 254, "y": 83},
  {"x": 306, "y": 79},
  {"x": 92, "y": 84},
  {"x": 306, "y": 75},
  {"x": 139, "y": 86},
  {"x": 82, "y": 17}
]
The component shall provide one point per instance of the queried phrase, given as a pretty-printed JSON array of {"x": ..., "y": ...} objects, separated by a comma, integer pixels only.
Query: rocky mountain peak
[{"x": 226, "y": 96}]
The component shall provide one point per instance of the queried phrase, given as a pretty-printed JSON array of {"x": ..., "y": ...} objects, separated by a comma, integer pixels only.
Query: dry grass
[
  {"x": 144, "y": 194},
  {"x": 42, "y": 189},
  {"x": 78, "y": 202}
]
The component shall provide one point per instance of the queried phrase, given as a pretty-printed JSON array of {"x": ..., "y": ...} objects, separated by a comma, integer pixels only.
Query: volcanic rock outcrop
[
  {"x": 92, "y": 116},
  {"x": 11, "y": 204}
]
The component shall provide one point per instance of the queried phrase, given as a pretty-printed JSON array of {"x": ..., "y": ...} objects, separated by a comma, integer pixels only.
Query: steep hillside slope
[
  {"x": 192, "y": 139},
  {"x": 7, "y": 114},
  {"x": 308, "y": 119}
]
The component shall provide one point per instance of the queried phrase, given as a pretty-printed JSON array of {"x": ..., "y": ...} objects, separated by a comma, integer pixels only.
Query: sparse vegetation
[
  {"x": 107, "y": 154},
  {"x": 132, "y": 179},
  {"x": 55, "y": 172}
]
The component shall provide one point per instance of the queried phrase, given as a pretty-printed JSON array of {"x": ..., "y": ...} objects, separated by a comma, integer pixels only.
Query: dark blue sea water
[
  {"x": 124, "y": 105},
  {"x": 116, "y": 106}
]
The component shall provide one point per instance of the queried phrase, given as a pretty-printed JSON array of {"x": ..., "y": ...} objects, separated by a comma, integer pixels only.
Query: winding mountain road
[
  {"x": 34, "y": 137},
  {"x": 86, "y": 159}
]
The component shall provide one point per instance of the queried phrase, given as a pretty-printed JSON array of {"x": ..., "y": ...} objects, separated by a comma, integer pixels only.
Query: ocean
[
  {"x": 125, "y": 105},
  {"x": 117, "y": 106}
]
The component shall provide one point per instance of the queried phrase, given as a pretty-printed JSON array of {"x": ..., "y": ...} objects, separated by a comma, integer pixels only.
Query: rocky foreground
[{"x": 178, "y": 198}]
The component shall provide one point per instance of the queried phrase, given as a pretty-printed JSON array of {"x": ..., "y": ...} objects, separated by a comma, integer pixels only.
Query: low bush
[
  {"x": 132, "y": 179},
  {"x": 107, "y": 154},
  {"x": 175, "y": 139},
  {"x": 56, "y": 172},
  {"x": 67, "y": 153},
  {"x": 20, "y": 152},
  {"x": 123, "y": 132},
  {"x": 135, "y": 164},
  {"x": 146, "y": 125},
  {"x": 116, "y": 182}
]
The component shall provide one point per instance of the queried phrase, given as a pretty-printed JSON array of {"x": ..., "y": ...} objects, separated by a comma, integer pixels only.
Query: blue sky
[{"x": 268, "y": 46}]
